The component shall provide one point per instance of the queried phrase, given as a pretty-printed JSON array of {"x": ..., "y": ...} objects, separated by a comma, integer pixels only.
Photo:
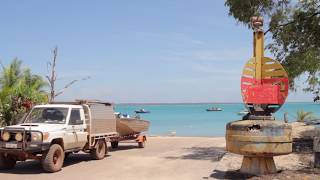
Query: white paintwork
[{"x": 74, "y": 136}]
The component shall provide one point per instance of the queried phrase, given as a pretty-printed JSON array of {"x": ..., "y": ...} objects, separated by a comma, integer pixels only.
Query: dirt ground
[{"x": 164, "y": 158}]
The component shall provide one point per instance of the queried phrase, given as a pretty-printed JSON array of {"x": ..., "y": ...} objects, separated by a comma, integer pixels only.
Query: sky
[{"x": 168, "y": 51}]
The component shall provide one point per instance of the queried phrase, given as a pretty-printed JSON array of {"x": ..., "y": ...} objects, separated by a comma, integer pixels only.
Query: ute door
[
  {"x": 69, "y": 138},
  {"x": 79, "y": 127}
]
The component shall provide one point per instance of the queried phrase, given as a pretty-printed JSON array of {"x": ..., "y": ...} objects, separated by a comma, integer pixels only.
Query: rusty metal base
[{"x": 258, "y": 165}]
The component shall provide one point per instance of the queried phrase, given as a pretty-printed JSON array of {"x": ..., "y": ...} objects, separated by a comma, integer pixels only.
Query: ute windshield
[{"x": 48, "y": 115}]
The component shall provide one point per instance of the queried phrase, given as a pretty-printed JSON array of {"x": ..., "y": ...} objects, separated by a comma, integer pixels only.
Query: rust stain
[{"x": 259, "y": 138}]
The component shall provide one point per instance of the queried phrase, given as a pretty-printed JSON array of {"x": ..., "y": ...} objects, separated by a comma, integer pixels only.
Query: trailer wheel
[
  {"x": 114, "y": 144},
  {"x": 141, "y": 144},
  {"x": 7, "y": 162},
  {"x": 99, "y": 151},
  {"x": 52, "y": 160}
]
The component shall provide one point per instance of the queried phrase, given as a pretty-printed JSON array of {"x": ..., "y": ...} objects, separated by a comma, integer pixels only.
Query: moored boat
[
  {"x": 214, "y": 109},
  {"x": 243, "y": 112},
  {"x": 142, "y": 111}
]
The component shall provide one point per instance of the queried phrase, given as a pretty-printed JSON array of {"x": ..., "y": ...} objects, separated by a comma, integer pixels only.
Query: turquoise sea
[{"x": 194, "y": 120}]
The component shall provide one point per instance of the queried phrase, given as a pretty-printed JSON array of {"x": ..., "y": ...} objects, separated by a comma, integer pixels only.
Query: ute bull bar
[{"x": 26, "y": 145}]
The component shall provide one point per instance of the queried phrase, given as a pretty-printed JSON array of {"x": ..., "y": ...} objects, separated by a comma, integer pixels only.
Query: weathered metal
[
  {"x": 272, "y": 88},
  {"x": 259, "y": 138},
  {"x": 264, "y": 88},
  {"x": 264, "y": 81}
]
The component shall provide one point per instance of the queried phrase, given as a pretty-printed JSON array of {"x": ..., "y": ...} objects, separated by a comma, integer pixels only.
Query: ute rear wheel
[
  {"x": 114, "y": 144},
  {"x": 7, "y": 161},
  {"x": 52, "y": 160},
  {"x": 99, "y": 151},
  {"x": 141, "y": 144}
]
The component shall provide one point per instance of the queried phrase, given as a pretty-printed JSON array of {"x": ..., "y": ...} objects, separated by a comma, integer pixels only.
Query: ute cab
[{"x": 44, "y": 124}]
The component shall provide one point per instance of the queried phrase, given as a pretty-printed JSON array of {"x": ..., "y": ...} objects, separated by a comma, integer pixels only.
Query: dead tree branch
[
  {"x": 52, "y": 78},
  {"x": 61, "y": 91}
]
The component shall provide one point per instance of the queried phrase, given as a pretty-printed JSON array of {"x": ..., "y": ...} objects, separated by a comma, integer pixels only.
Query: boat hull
[
  {"x": 127, "y": 126},
  {"x": 142, "y": 112}
]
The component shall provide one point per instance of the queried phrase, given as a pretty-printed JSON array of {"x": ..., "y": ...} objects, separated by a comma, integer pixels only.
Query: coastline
[
  {"x": 193, "y": 119},
  {"x": 163, "y": 158},
  {"x": 194, "y": 103}
]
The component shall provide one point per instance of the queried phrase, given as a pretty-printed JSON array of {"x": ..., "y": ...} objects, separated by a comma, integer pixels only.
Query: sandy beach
[{"x": 162, "y": 158}]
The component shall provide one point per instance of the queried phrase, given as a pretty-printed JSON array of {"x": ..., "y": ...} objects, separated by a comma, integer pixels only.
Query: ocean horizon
[
  {"x": 173, "y": 103},
  {"x": 192, "y": 119}
]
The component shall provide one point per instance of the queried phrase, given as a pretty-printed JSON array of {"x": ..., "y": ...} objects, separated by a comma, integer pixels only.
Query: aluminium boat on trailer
[{"x": 127, "y": 125}]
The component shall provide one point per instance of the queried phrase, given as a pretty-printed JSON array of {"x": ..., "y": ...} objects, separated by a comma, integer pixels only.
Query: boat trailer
[{"x": 139, "y": 138}]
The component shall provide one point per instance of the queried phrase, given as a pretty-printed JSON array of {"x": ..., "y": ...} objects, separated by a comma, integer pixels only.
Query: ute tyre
[
  {"x": 52, "y": 160},
  {"x": 99, "y": 151},
  {"x": 114, "y": 144},
  {"x": 7, "y": 162}
]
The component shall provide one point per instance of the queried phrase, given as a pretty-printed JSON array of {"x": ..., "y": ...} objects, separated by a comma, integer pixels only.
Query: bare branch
[
  {"x": 53, "y": 77},
  {"x": 48, "y": 78},
  {"x": 61, "y": 91}
]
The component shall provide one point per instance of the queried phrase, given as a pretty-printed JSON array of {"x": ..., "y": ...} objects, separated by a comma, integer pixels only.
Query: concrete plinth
[{"x": 258, "y": 165}]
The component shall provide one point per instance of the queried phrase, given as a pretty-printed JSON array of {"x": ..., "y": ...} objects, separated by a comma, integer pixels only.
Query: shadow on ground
[
  {"x": 202, "y": 153},
  {"x": 123, "y": 147},
  {"x": 34, "y": 167},
  {"x": 217, "y": 174},
  {"x": 305, "y": 173}
]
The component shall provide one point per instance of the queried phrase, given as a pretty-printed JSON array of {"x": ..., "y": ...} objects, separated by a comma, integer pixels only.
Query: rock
[{"x": 301, "y": 130}]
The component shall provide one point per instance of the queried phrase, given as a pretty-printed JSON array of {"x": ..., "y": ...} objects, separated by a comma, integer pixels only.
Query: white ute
[{"x": 51, "y": 132}]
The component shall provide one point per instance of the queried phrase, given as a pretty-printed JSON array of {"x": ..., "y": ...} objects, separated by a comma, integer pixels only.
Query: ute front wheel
[
  {"x": 52, "y": 160},
  {"x": 99, "y": 151},
  {"x": 7, "y": 161}
]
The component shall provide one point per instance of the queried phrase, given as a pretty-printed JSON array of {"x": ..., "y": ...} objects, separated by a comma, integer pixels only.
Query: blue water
[{"x": 194, "y": 120}]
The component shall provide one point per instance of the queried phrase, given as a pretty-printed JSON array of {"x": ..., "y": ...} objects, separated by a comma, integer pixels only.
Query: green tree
[
  {"x": 303, "y": 116},
  {"x": 294, "y": 30},
  {"x": 19, "y": 89}
]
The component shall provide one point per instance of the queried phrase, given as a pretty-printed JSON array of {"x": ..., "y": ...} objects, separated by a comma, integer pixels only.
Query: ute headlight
[
  {"x": 36, "y": 137},
  {"x": 5, "y": 136},
  {"x": 19, "y": 137}
]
